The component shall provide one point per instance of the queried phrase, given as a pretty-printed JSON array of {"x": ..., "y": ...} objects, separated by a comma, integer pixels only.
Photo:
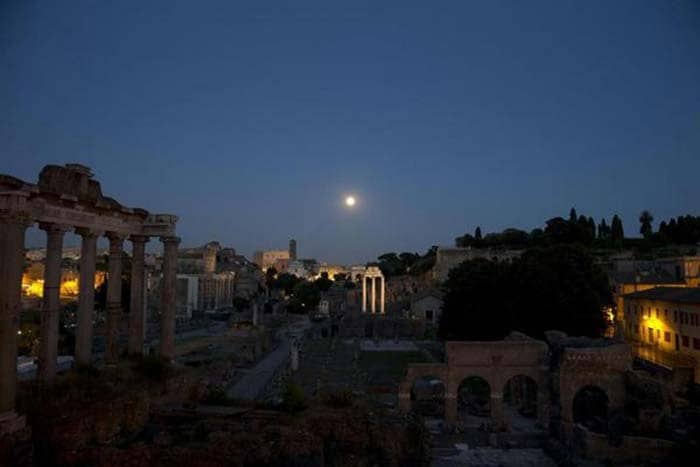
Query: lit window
[{"x": 667, "y": 336}]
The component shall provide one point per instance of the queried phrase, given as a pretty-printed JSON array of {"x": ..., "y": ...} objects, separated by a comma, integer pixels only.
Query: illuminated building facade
[
  {"x": 666, "y": 319},
  {"x": 266, "y": 259}
]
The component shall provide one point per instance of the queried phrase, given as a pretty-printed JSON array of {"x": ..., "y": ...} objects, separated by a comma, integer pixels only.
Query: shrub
[
  {"x": 338, "y": 399},
  {"x": 293, "y": 399}
]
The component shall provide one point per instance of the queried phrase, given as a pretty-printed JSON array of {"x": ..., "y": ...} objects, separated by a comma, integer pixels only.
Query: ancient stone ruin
[{"x": 64, "y": 199}]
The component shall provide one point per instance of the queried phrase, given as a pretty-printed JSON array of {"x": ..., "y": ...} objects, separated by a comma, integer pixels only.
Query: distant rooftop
[
  {"x": 644, "y": 276},
  {"x": 669, "y": 294}
]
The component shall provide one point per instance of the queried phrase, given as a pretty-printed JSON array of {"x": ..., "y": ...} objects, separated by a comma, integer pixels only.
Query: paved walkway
[{"x": 256, "y": 379}]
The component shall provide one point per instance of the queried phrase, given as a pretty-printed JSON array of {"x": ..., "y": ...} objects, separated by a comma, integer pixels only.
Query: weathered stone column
[
  {"x": 136, "y": 312},
  {"x": 167, "y": 299},
  {"x": 374, "y": 295},
  {"x": 86, "y": 300},
  {"x": 51, "y": 307},
  {"x": 497, "y": 411},
  {"x": 381, "y": 295},
  {"x": 364, "y": 293},
  {"x": 12, "y": 228},
  {"x": 114, "y": 297}
]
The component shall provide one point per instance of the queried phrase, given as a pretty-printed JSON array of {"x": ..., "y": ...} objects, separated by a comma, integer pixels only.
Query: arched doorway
[
  {"x": 520, "y": 402},
  {"x": 590, "y": 408},
  {"x": 474, "y": 402},
  {"x": 428, "y": 397}
]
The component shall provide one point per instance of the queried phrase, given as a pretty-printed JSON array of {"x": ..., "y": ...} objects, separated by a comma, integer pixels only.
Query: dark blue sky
[{"x": 250, "y": 121}]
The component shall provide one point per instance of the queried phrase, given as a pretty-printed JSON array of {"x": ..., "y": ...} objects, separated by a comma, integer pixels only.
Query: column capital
[
  {"x": 88, "y": 232},
  {"x": 51, "y": 227},
  {"x": 139, "y": 238},
  {"x": 170, "y": 239}
]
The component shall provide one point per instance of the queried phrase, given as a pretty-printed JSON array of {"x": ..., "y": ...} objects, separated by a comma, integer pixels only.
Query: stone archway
[
  {"x": 474, "y": 400},
  {"x": 521, "y": 401},
  {"x": 428, "y": 396},
  {"x": 590, "y": 408}
]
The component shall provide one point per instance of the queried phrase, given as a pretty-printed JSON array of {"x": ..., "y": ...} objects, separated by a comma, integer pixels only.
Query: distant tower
[{"x": 292, "y": 250}]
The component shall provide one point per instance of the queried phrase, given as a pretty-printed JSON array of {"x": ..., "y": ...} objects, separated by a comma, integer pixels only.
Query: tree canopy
[{"x": 557, "y": 287}]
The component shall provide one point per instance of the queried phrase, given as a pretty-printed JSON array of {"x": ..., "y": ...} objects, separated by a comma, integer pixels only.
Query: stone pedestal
[
  {"x": 114, "y": 297},
  {"x": 51, "y": 307},
  {"x": 86, "y": 300},
  {"x": 167, "y": 302},
  {"x": 136, "y": 306}
]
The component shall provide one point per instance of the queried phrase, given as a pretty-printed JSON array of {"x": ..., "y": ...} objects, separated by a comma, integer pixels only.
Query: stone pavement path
[{"x": 254, "y": 381}]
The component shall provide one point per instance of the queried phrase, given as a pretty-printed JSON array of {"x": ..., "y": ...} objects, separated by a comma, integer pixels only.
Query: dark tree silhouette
[
  {"x": 617, "y": 234},
  {"x": 645, "y": 219},
  {"x": 558, "y": 287}
]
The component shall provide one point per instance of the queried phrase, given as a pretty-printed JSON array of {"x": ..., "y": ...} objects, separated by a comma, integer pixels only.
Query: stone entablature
[
  {"x": 64, "y": 199},
  {"x": 68, "y": 196}
]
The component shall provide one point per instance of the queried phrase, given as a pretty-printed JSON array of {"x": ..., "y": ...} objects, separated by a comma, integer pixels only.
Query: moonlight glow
[{"x": 349, "y": 201}]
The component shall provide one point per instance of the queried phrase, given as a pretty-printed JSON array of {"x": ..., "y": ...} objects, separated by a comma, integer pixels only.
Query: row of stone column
[
  {"x": 12, "y": 232},
  {"x": 373, "y": 287}
]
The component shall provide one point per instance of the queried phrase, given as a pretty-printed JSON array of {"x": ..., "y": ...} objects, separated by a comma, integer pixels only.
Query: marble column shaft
[
  {"x": 114, "y": 297},
  {"x": 136, "y": 305},
  {"x": 167, "y": 302},
  {"x": 381, "y": 295},
  {"x": 364, "y": 293},
  {"x": 51, "y": 304},
  {"x": 86, "y": 299},
  {"x": 12, "y": 229}
]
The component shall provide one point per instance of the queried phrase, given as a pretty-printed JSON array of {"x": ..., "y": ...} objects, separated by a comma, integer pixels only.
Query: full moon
[{"x": 350, "y": 201}]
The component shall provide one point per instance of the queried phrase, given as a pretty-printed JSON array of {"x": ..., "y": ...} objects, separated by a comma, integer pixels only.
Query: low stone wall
[{"x": 632, "y": 449}]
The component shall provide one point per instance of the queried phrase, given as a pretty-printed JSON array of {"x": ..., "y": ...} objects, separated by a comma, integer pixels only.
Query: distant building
[
  {"x": 333, "y": 269},
  {"x": 448, "y": 258},
  {"x": 292, "y": 250},
  {"x": 304, "y": 268},
  {"x": 204, "y": 292},
  {"x": 207, "y": 277},
  {"x": 665, "y": 323},
  {"x": 266, "y": 259},
  {"x": 427, "y": 306}
]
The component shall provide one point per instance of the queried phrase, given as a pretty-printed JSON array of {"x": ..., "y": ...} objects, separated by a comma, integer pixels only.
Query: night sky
[{"x": 252, "y": 121}]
